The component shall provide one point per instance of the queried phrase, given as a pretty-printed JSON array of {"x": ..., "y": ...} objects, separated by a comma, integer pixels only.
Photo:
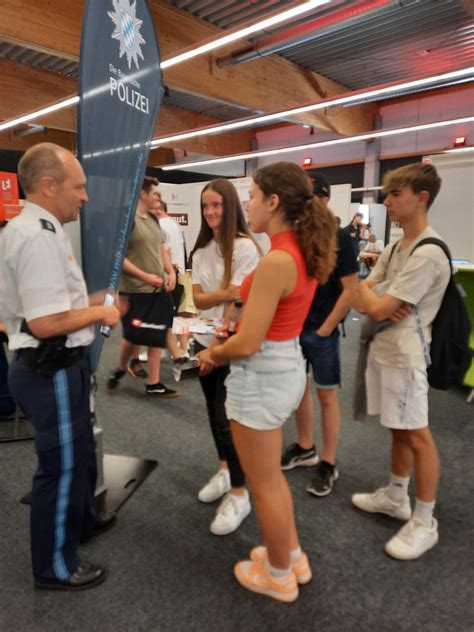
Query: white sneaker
[
  {"x": 379, "y": 502},
  {"x": 413, "y": 539},
  {"x": 216, "y": 487},
  {"x": 230, "y": 514}
]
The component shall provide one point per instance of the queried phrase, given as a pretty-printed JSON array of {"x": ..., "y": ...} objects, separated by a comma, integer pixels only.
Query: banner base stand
[{"x": 122, "y": 476}]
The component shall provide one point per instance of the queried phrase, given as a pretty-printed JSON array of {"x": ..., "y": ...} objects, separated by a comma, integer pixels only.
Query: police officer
[{"x": 46, "y": 311}]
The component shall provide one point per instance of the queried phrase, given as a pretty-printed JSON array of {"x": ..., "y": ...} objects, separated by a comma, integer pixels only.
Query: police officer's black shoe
[
  {"x": 86, "y": 576},
  {"x": 104, "y": 522}
]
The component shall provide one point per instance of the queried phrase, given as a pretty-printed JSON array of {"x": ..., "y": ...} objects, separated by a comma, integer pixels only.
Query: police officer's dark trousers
[{"x": 62, "y": 509}]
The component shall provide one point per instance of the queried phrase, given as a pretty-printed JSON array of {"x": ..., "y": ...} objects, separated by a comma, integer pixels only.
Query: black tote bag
[{"x": 148, "y": 319}]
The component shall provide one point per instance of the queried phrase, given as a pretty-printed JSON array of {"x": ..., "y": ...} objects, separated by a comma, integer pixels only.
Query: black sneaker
[
  {"x": 160, "y": 390},
  {"x": 135, "y": 368},
  {"x": 114, "y": 378},
  {"x": 325, "y": 476},
  {"x": 296, "y": 456}
]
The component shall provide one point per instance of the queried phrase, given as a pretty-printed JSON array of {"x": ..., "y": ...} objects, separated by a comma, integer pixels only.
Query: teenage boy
[
  {"x": 397, "y": 385},
  {"x": 144, "y": 267},
  {"x": 320, "y": 343}
]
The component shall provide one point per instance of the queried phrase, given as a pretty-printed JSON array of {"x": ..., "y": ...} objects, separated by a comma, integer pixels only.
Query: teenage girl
[
  {"x": 267, "y": 376},
  {"x": 223, "y": 255}
]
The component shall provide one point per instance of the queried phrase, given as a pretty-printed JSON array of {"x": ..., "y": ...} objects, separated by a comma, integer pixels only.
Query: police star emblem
[{"x": 127, "y": 30}]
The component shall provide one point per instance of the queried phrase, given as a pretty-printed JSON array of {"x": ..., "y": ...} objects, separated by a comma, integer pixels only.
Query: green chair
[{"x": 465, "y": 278}]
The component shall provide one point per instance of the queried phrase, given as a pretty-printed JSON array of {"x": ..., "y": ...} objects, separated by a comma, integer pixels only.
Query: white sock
[
  {"x": 241, "y": 498},
  {"x": 295, "y": 554},
  {"x": 397, "y": 488},
  {"x": 424, "y": 512},
  {"x": 277, "y": 572}
]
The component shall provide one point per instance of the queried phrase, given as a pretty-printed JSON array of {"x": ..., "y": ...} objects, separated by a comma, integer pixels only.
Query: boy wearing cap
[{"x": 320, "y": 343}]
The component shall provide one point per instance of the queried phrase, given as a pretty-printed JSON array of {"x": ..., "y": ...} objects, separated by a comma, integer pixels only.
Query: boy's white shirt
[{"x": 420, "y": 279}]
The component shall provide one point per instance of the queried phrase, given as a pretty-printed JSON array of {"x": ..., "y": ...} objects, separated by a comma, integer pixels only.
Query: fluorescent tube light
[
  {"x": 245, "y": 32},
  {"x": 37, "y": 113},
  {"x": 325, "y": 143},
  {"x": 351, "y": 99}
]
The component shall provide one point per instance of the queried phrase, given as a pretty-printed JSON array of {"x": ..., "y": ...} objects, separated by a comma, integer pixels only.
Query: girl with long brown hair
[
  {"x": 267, "y": 377},
  {"x": 223, "y": 255}
]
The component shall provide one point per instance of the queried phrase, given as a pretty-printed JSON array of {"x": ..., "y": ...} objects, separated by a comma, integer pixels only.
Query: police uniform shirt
[{"x": 39, "y": 276}]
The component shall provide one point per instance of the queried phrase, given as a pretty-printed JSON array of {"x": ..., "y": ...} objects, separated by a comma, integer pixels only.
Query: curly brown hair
[{"x": 314, "y": 223}]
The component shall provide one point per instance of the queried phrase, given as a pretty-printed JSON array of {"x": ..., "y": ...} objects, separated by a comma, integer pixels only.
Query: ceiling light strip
[
  {"x": 177, "y": 59},
  {"x": 37, "y": 113},
  {"x": 351, "y": 99},
  {"x": 326, "y": 143},
  {"x": 244, "y": 32}
]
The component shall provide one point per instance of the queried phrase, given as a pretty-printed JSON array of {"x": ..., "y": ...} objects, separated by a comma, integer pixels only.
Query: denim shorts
[
  {"x": 263, "y": 390},
  {"x": 322, "y": 355}
]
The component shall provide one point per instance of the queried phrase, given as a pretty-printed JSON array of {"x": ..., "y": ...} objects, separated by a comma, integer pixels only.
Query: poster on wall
[
  {"x": 120, "y": 90},
  {"x": 9, "y": 201}
]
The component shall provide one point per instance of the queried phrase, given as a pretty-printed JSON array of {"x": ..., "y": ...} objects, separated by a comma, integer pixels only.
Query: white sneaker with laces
[
  {"x": 230, "y": 514},
  {"x": 413, "y": 539},
  {"x": 379, "y": 502},
  {"x": 216, "y": 487}
]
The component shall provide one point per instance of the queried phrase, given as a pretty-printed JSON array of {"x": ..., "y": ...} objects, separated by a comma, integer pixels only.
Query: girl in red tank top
[{"x": 267, "y": 375}]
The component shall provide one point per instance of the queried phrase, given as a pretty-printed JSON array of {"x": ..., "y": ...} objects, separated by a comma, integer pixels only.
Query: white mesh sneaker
[
  {"x": 413, "y": 539},
  {"x": 216, "y": 487},
  {"x": 379, "y": 502},
  {"x": 230, "y": 514}
]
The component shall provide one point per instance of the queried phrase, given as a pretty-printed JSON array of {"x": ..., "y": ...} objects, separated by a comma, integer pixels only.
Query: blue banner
[{"x": 120, "y": 90}]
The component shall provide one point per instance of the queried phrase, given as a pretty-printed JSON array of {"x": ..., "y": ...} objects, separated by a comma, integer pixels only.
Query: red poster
[{"x": 8, "y": 188}]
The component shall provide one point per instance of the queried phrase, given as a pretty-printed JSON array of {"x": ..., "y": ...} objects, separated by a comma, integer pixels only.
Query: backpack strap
[
  {"x": 435, "y": 242},
  {"x": 419, "y": 326},
  {"x": 393, "y": 250}
]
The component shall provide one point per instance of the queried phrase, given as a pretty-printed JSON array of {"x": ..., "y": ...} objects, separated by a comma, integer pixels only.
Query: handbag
[{"x": 148, "y": 319}]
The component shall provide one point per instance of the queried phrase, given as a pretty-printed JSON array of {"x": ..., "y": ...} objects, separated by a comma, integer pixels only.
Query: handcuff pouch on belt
[{"x": 50, "y": 356}]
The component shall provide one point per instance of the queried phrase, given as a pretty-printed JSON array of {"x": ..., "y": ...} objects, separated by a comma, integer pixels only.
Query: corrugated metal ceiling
[
  {"x": 402, "y": 40},
  {"x": 221, "y": 110}
]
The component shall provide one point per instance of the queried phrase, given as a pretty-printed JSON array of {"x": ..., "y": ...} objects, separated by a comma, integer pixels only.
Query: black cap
[{"x": 321, "y": 186}]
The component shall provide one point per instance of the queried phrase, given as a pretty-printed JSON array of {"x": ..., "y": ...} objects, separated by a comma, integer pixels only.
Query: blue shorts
[
  {"x": 322, "y": 354},
  {"x": 263, "y": 390}
]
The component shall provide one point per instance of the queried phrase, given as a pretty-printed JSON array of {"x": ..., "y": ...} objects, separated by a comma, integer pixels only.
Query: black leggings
[{"x": 214, "y": 391}]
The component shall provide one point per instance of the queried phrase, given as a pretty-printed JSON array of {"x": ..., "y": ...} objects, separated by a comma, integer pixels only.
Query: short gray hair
[{"x": 41, "y": 160}]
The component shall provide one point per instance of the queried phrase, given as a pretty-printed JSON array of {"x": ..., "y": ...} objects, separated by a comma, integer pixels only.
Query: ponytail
[
  {"x": 316, "y": 232},
  {"x": 314, "y": 223}
]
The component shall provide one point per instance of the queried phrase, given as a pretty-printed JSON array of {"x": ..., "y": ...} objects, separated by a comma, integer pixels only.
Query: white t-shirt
[
  {"x": 374, "y": 246},
  {"x": 208, "y": 271},
  {"x": 175, "y": 241},
  {"x": 39, "y": 276},
  {"x": 419, "y": 279}
]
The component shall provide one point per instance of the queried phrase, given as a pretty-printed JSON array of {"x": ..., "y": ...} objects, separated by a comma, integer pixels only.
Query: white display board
[
  {"x": 340, "y": 202},
  {"x": 452, "y": 213}
]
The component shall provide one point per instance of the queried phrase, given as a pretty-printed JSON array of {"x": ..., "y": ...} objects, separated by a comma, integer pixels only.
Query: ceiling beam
[
  {"x": 17, "y": 80},
  {"x": 262, "y": 85}
]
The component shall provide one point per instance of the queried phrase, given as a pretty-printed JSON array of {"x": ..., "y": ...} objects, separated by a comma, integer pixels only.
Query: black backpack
[{"x": 449, "y": 350}]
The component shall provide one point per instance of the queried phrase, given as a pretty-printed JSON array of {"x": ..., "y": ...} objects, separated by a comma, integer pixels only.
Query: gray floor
[{"x": 167, "y": 572}]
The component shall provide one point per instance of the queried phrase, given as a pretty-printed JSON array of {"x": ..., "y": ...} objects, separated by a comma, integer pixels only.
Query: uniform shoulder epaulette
[{"x": 47, "y": 225}]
